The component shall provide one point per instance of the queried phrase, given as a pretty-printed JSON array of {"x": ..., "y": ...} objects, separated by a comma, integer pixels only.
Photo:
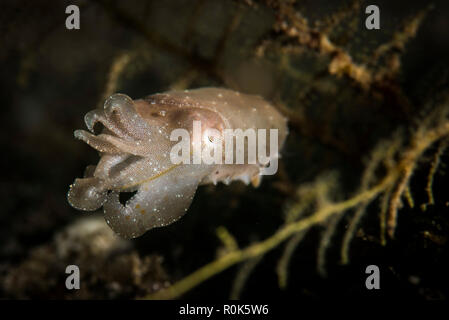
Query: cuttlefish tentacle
[
  {"x": 119, "y": 108},
  {"x": 98, "y": 116},
  {"x": 107, "y": 143},
  {"x": 87, "y": 194},
  {"x": 119, "y": 116},
  {"x": 158, "y": 202}
]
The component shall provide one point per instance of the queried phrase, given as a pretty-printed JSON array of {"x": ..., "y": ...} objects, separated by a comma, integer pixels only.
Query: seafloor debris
[{"x": 109, "y": 266}]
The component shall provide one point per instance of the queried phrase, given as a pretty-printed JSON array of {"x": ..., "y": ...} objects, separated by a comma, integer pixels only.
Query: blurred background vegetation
[{"x": 367, "y": 115}]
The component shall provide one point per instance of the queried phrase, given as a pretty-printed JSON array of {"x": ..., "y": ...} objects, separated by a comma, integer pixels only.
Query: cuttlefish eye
[{"x": 135, "y": 151}]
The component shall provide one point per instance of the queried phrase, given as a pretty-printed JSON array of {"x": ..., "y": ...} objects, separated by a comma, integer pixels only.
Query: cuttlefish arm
[
  {"x": 135, "y": 157},
  {"x": 158, "y": 202}
]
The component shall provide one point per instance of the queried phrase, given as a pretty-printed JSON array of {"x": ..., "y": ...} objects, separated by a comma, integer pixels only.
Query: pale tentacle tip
[{"x": 116, "y": 102}]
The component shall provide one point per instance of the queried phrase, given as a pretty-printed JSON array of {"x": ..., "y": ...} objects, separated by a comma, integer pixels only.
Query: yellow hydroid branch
[{"x": 257, "y": 249}]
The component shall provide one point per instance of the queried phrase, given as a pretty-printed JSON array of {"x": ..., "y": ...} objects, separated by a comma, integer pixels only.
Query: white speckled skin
[{"x": 135, "y": 154}]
